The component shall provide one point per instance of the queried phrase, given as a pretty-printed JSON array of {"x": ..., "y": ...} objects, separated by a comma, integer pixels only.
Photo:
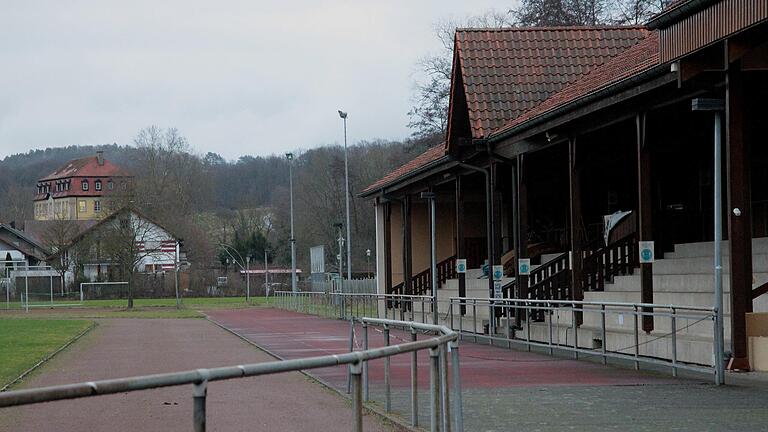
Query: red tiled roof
[
  {"x": 86, "y": 167},
  {"x": 635, "y": 60},
  {"x": 431, "y": 155},
  {"x": 506, "y": 72}
]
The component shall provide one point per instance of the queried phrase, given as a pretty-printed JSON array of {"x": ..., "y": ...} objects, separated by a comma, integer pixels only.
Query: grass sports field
[
  {"x": 190, "y": 302},
  {"x": 23, "y": 343}
]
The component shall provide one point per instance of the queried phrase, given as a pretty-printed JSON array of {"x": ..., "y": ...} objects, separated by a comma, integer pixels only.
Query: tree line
[{"x": 243, "y": 204}]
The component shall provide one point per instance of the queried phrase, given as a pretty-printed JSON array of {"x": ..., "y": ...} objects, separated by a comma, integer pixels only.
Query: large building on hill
[{"x": 82, "y": 189}]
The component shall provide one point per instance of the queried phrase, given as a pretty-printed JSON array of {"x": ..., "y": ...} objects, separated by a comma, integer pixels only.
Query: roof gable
[
  {"x": 632, "y": 62},
  {"x": 506, "y": 72}
]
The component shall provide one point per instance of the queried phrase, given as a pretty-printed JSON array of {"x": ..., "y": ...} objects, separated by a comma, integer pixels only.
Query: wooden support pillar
[
  {"x": 407, "y": 247},
  {"x": 739, "y": 215},
  {"x": 490, "y": 187},
  {"x": 460, "y": 247},
  {"x": 576, "y": 220},
  {"x": 577, "y": 224},
  {"x": 388, "y": 248},
  {"x": 644, "y": 214},
  {"x": 522, "y": 225}
]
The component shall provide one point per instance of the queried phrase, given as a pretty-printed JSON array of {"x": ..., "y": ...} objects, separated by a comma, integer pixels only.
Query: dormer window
[
  {"x": 97, "y": 184},
  {"x": 85, "y": 185}
]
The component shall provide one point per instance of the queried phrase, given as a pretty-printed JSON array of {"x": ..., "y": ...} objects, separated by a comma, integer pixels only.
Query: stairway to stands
[{"x": 685, "y": 277}]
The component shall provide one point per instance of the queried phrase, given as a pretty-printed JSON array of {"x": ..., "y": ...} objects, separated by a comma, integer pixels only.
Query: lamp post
[
  {"x": 289, "y": 156},
  {"x": 240, "y": 263},
  {"x": 368, "y": 261},
  {"x": 266, "y": 273},
  {"x": 343, "y": 116},
  {"x": 248, "y": 279}
]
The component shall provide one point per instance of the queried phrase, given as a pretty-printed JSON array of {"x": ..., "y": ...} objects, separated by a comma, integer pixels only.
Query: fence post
[
  {"x": 575, "y": 332},
  {"x": 637, "y": 340},
  {"x": 444, "y": 392},
  {"x": 414, "y": 383},
  {"x": 434, "y": 389},
  {"x": 604, "y": 333},
  {"x": 387, "y": 385},
  {"x": 351, "y": 348},
  {"x": 365, "y": 362},
  {"x": 357, "y": 397},
  {"x": 674, "y": 343},
  {"x": 199, "y": 393},
  {"x": 457, "y": 402}
]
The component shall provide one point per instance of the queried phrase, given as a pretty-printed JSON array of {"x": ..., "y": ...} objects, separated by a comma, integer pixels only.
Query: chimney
[{"x": 100, "y": 157}]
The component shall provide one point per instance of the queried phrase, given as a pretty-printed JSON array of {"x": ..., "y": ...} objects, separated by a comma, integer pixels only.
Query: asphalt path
[{"x": 127, "y": 347}]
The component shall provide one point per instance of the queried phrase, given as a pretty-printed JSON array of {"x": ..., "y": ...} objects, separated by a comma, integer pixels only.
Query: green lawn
[
  {"x": 24, "y": 342},
  {"x": 190, "y": 302}
]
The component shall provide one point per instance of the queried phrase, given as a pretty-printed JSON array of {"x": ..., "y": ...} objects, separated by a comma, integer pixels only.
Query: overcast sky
[{"x": 235, "y": 77}]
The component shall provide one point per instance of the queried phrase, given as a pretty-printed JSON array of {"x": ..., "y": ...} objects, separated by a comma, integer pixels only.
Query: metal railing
[
  {"x": 445, "y": 341},
  {"x": 583, "y": 328},
  {"x": 558, "y": 317}
]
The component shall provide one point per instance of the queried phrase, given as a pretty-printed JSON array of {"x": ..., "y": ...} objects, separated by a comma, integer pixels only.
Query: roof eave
[
  {"x": 665, "y": 19},
  {"x": 380, "y": 190}
]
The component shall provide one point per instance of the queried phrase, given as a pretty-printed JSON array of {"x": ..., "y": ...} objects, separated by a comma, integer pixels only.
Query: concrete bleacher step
[
  {"x": 704, "y": 264},
  {"x": 707, "y": 249},
  {"x": 700, "y": 282}
]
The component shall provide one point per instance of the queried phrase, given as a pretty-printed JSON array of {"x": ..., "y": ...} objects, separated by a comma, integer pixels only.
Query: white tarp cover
[{"x": 611, "y": 221}]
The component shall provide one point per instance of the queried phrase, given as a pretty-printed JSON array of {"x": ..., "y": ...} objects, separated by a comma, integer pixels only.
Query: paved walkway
[
  {"x": 126, "y": 347},
  {"x": 514, "y": 390}
]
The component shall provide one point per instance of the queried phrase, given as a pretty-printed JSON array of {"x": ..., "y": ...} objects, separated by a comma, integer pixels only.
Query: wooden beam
[
  {"x": 407, "y": 248},
  {"x": 645, "y": 223},
  {"x": 460, "y": 246},
  {"x": 490, "y": 194},
  {"x": 576, "y": 220},
  {"x": 739, "y": 215},
  {"x": 522, "y": 224},
  {"x": 577, "y": 225}
]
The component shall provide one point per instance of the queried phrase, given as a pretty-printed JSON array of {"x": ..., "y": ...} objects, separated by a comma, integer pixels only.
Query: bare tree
[
  {"x": 429, "y": 114},
  {"x": 57, "y": 239},
  {"x": 125, "y": 241}
]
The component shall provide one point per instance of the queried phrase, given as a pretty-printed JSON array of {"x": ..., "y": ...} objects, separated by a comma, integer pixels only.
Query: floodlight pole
[
  {"x": 294, "y": 288},
  {"x": 343, "y": 116}
]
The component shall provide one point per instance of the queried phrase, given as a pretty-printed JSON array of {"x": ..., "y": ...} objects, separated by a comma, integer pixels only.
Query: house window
[
  {"x": 97, "y": 206},
  {"x": 97, "y": 184},
  {"x": 110, "y": 185},
  {"x": 85, "y": 185},
  {"x": 81, "y": 206}
]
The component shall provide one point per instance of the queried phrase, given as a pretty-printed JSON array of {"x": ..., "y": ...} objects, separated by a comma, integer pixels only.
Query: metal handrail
[
  {"x": 592, "y": 303},
  {"x": 199, "y": 378}
]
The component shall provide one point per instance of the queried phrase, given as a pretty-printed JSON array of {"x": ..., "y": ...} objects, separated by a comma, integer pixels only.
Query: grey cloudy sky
[{"x": 236, "y": 77}]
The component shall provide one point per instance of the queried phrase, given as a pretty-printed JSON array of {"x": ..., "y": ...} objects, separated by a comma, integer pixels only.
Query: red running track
[{"x": 291, "y": 335}]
